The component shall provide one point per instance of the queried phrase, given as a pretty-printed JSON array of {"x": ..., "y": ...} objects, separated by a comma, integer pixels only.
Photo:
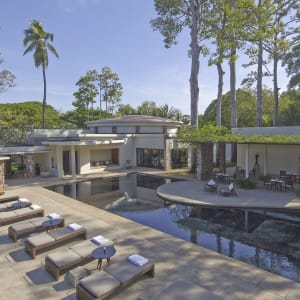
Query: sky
[{"x": 91, "y": 34}]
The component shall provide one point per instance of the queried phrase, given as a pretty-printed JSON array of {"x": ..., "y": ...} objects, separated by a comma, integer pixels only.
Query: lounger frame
[
  {"x": 83, "y": 294},
  {"x": 28, "y": 213},
  {"x": 15, "y": 235},
  {"x": 33, "y": 250}
]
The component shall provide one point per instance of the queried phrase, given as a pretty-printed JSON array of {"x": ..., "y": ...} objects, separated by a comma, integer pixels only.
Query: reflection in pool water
[{"x": 134, "y": 197}]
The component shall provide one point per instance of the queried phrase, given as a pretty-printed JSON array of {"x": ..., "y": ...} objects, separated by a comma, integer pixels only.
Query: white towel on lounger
[
  {"x": 54, "y": 216},
  {"x": 74, "y": 226},
  {"x": 100, "y": 240},
  {"x": 34, "y": 206},
  {"x": 138, "y": 259}
]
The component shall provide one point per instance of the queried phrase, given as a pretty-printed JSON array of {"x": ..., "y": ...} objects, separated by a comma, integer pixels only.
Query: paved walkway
[{"x": 26, "y": 278}]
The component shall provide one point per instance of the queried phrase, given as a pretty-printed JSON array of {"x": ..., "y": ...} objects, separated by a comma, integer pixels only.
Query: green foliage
[
  {"x": 245, "y": 183},
  {"x": 212, "y": 134},
  {"x": 291, "y": 61},
  {"x": 289, "y": 108},
  {"x": 28, "y": 114}
]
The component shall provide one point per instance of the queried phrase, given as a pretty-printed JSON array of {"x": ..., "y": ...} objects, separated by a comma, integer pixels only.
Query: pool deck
[
  {"x": 192, "y": 193},
  {"x": 26, "y": 278}
]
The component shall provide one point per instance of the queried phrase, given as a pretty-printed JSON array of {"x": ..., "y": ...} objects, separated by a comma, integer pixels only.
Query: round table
[
  {"x": 101, "y": 253},
  {"x": 51, "y": 224}
]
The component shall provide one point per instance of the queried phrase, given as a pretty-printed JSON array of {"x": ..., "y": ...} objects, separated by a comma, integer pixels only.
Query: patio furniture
[
  {"x": 8, "y": 217},
  {"x": 15, "y": 231},
  {"x": 210, "y": 186},
  {"x": 228, "y": 191},
  {"x": 112, "y": 279},
  {"x": 183, "y": 289},
  {"x": 8, "y": 196},
  {"x": 101, "y": 253},
  {"x": 59, "y": 262},
  {"x": 20, "y": 203},
  {"x": 46, "y": 240}
]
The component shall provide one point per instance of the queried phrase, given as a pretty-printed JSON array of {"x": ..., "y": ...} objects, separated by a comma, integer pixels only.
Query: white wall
[
  {"x": 99, "y": 155},
  {"x": 152, "y": 142},
  {"x": 104, "y": 129},
  {"x": 151, "y": 129},
  {"x": 278, "y": 157},
  {"x": 125, "y": 129}
]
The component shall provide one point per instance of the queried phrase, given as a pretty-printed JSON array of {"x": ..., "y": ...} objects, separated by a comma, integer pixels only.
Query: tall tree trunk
[
  {"x": 233, "y": 117},
  {"x": 44, "y": 98},
  {"x": 195, "y": 8},
  {"x": 259, "y": 86},
  {"x": 219, "y": 148},
  {"x": 195, "y": 50},
  {"x": 276, "y": 89},
  {"x": 220, "y": 93}
]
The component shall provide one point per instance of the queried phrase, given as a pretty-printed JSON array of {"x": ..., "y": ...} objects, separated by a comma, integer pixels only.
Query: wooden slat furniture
[
  {"x": 112, "y": 279},
  {"x": 45, "y": 240},
  {"x": 9, "y": 217},
  {"x": 21, "y": 229},
  {"x": 59, "y": 262}
]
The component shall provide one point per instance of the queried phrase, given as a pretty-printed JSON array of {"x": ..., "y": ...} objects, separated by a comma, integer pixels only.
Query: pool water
[{"x": 134, "y": 197}]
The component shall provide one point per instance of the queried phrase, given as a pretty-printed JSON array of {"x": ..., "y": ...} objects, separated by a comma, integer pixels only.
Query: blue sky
[{"x": 91, "y": 34}]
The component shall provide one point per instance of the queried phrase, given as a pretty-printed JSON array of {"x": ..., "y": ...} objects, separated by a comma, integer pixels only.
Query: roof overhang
[
  {"x": 23, "y": 150},
  {"x": 85, "y": 143}
]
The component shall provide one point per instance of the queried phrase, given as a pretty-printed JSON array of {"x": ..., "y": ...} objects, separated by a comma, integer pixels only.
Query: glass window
[{"x": 152, "y": 158}]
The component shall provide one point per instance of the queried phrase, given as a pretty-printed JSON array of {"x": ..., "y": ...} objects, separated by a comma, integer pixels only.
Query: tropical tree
[
  {"x": 292, "y": 63},
  {"x": 166, "y": 111},
  {"x": 147, "y": 108},
  {"x": 126, "y": 109},
  {"x": 110, "y": 89},
  {"x": 39, "y": 41},
  {"x": 7, "y": 79},
  {"x": 285, "y": 34}
]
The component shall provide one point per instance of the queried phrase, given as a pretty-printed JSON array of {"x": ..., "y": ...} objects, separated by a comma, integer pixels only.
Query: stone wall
[{"x": 205, "y": 161}]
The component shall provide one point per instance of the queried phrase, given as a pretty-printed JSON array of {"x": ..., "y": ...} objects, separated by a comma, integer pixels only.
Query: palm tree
[{"x": 37, "y": 40}]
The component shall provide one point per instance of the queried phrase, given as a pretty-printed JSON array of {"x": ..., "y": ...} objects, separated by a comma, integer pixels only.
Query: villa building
[{"x": 107, "y": 144}]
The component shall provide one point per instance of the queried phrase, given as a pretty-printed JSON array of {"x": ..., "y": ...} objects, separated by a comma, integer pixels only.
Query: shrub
[{"x": 245, "y": 183}]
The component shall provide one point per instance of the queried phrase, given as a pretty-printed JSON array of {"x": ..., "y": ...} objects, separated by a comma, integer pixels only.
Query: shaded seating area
[
  {"x": 228, "y": 190},
  {"x": 59, "y": 262},
  {"x": 20, "y": 203},
  {"x": 114, "y": 278},
  {"x": 182, "y": 289},
  {"x": 43, "y": 241},
  {"x": 17, "y": 230},
  {"x": 8, "y": 217}
]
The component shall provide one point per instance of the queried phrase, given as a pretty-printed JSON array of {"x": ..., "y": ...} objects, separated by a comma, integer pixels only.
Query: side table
[
  {"x": 51, "y": 224},
  {"x": 101, "y": 253}
]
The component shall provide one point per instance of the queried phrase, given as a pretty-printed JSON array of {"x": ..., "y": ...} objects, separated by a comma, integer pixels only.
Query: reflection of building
[{"x": 107, "y": 144}]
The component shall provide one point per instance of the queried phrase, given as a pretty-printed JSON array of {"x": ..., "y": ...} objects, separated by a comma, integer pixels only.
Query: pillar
[{"x": 73, "y": 162}]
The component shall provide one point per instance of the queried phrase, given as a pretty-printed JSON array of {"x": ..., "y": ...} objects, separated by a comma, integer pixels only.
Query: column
[
  {"x": 247, "y": 161},
  {"x": 1, "y": 177},
  {"x": 73, "y": 162},
  {"x": 167, "y": 154}
]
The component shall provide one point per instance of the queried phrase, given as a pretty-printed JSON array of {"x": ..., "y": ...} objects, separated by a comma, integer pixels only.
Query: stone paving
[{"x": 25, "y": 278}]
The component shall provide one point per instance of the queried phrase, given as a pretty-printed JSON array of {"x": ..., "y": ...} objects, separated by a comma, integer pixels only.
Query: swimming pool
[{"x": 134, "y": 197}]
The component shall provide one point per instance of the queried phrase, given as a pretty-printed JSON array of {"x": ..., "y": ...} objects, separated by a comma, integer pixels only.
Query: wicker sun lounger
[
  {"x": 59, "y": 262},
  {"x": 17, "y": 230},
  {"x": 112, "y": 279},
  {"x": 46, "y": 240},
  {"x": 21, "y": 203},
  {"x": 9, "y": 217},
  {"x": 182, "y": 289}
]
